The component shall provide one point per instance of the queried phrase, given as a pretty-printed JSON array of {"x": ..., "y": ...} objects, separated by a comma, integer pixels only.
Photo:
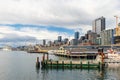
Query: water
[{"x": 18, "y": 65}]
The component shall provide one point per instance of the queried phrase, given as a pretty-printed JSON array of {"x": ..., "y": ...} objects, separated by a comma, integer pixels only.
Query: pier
[
  {"x": 37, "y": 51},
  {"x": 71, "y": 64}
]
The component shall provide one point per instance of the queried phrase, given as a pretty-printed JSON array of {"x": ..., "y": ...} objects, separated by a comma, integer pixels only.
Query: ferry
[
  {"x": 113, "y": 56},
  {"x": 7, "y": 48},
  {"x": 77, "y": 53}
]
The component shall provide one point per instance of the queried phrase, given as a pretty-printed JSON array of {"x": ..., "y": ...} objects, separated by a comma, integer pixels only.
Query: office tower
[
  {"x": 98, "y": 25},
  {"x": 59, "y": 38},
  {"x": 76, "y": 35},
  {"x": 49, "y": 43},
  {"x": 107, "y": 37},
  {"x": 74, "y": 42},
  {"x": 44, "y": 42},
  {"x": 65, "y": 40}
]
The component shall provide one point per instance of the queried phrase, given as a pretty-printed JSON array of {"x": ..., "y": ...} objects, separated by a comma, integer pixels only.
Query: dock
[
  {"x": 98, "y": 63},
  {"x": 37, "y": 51},
  {"x": 47, "y": 63},
  {"x": 70, "y": 65}
]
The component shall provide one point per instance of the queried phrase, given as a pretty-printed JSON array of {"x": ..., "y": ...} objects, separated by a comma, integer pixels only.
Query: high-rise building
[
  {"x": 44, "y": 42},
  {"x": 86, "y": 36},
  {"x": 81, "y": 39},
  {"x": 92, "y": 36},
  {"x": 76, "y": 35},
  {"x": 55, "y": 41},
  {"x": 107, "y": 37},
  {"x": 65, "y": 40},
  {"x": 74, "y": 42},
  {"x": 98, "y": 25},
  {"x": 59, "y": 38},
  {"x": 49, "y": 43}
]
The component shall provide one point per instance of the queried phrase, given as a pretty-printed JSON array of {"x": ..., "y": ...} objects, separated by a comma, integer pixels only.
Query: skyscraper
[
  {"x": 65, "y": 40},
  {"x": 44, "y": 42},
  {"x": 59, "y": 38},
  {"x": 98, "y": 25},
  {"x": 76, "y": 35},
  {"x": 107, "y": 37}
]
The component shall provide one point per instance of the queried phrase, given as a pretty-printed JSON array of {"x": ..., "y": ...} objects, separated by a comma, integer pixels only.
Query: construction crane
[
  {"x": 116, "y": 21},
  {"x": 117, "y": 28}
]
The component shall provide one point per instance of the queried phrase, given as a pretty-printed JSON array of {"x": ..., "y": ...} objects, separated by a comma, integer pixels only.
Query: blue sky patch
[{"x": 50, "y": 28}]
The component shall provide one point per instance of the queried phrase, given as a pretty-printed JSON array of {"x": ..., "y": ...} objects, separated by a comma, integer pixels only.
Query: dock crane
[{"x": 117, "y": 28}]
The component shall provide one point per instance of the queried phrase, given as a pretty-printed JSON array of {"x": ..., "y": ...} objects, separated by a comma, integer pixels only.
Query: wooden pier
[
  {"x": 39, "y": 51},
  {"x": 70, "y": 65}
]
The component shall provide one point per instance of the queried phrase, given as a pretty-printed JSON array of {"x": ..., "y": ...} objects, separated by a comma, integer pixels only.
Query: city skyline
[{"x": 30, "y": 20}]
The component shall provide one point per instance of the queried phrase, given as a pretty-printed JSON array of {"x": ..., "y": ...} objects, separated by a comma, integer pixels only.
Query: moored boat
[
  {"x": 7, "y": 48},
  {"x": 113, "y": 56}
]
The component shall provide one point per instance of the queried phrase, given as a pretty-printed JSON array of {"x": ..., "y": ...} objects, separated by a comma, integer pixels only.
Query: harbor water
[{"x": 19, "y": 65}]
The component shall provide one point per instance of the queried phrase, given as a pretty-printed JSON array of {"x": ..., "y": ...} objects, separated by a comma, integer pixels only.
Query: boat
[
  {"x": 77, "y": 53},
  {"x": 113, "y": 56},
  {"x": 7, "y": 48}
]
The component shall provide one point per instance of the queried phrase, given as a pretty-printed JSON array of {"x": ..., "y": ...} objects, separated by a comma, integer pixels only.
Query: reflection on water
[
  {"x": 74, "y": 74},
  {"x": 21, "y": 66},
  {"x": 37, "y": 70}
]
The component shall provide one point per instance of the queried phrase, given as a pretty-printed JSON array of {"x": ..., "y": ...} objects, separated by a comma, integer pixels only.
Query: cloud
[
  {"x": 64, "y": 13},
  {"x": 12, "y": 35},
  {"x": 37, "y": 17},
  {"x": 16, "y": 38}
]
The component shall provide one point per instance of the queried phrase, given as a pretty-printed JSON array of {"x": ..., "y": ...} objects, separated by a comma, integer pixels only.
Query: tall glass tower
[
  {"x": 98, "y": 25},
  {"x": 59, "y": 38},
  {"x": 76, "y": 35}
]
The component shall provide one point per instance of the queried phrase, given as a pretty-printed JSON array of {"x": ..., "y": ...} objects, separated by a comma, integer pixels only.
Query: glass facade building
[
  {"x": 59, "y": 38},
  {"x": 107, "y": 37},
  {"x": 76, "y": 35}
]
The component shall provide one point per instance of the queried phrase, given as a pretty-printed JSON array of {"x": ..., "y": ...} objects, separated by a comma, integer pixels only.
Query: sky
[{"x": 30, "y": 21}]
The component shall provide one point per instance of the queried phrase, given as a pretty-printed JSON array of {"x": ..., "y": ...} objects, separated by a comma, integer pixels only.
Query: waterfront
[{"x": 19, "y": 65}]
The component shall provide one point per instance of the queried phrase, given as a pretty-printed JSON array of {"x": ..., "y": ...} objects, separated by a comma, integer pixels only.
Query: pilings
[
  {"x": 69, "y": 65},
  {"x": 43, "y": 57},
  {"x": 43, "y": 62},
  {"x": 37, "y": 63},
  {"x": 46, "y": 63}
]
